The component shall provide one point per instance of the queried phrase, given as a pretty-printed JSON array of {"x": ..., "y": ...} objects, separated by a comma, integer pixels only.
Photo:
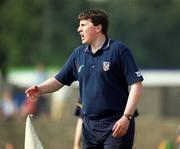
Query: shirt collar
[
  {"x": 104, "y": 47},
  {"x": 106, "y": 44}
]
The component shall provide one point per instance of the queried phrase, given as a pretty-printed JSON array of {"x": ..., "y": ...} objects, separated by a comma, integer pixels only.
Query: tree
[{"x": 46, "y": 30}]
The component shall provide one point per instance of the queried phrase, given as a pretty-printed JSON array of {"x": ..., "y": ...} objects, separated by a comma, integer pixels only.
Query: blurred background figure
[
  {"x": 78, "y": 131},
  {"x": 38, "y": 107},
  {"x": 28, "y": 107},
  {"x": 78, "y": 134},
  {"x": 42, "y": 107},
  {"x": 41, "y": 74},
  {"x": 178, "y": 138},
  {"x": 136, "y": 114},
  {"x": 9, "y": 146},
  {"x": 166, "y": 144},
  {"x": 7, "y": 106}
]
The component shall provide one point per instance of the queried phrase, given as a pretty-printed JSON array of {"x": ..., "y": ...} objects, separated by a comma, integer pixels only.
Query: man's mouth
[{"x": 82, "y": 36}]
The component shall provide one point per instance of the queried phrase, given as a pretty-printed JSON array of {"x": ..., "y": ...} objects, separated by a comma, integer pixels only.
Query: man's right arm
[{"x": 48, "y": 86}]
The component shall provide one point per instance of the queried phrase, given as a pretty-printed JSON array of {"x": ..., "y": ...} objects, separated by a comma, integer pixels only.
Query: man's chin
[{"x": 84, "y": 42}]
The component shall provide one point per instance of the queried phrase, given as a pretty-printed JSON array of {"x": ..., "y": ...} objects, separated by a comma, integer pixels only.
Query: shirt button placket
[{"x": 93, "y": 63}]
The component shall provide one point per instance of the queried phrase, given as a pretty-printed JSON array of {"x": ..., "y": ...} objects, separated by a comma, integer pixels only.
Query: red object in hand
[{"x": 32, "y": 91}]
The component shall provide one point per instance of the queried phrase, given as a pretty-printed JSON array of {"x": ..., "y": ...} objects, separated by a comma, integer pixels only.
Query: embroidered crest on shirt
[{"x": 106, "y": 66}]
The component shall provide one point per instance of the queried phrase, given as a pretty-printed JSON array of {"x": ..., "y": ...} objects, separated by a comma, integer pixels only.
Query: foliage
[{"x": 46, "y": 30}]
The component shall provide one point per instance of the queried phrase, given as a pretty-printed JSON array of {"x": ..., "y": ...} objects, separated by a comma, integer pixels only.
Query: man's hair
[{"x": 97, "y": 16}]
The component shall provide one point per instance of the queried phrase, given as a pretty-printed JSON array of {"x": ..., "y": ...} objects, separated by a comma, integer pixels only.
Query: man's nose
[{"x": 79, "y": 29}]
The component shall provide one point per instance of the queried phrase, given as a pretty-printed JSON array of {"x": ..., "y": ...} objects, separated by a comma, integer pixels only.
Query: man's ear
[{"x": 99, "y": 28}]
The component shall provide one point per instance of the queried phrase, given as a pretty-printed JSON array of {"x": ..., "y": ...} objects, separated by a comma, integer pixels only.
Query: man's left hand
[{"x": 120, "y": 127}]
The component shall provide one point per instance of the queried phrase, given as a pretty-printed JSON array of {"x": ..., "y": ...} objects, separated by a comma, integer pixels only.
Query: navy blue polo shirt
[{"x": 103, "y": 77}]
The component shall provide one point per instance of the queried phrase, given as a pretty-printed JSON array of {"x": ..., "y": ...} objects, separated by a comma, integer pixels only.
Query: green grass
[{"x": 60, "y": 134}]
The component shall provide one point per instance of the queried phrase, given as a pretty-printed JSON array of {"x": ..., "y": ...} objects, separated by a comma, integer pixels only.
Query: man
[
  {"x": 178, "y": 138},
  {"x": 105, "y": 69}
]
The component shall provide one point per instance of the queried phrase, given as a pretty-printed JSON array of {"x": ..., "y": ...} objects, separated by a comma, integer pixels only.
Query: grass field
[{"x": 59, "y": 135}]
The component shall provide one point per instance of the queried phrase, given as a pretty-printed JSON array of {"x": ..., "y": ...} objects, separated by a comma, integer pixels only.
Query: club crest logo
[{"x": 106, "y": 66}]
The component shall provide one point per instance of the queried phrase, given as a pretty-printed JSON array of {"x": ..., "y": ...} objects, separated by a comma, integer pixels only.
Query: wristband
[{"x": 128, "y": 116}]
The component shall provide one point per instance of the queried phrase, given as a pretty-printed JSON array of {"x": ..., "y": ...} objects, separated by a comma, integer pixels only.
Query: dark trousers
[{"x": 97, "y": 134}]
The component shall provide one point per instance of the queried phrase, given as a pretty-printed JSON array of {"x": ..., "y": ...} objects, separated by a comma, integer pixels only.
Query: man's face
[{"x": 87, "y": 31}]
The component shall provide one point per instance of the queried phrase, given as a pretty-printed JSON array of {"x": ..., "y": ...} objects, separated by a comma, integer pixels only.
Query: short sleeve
[
  {"x": 129, "y": 67},
  {"x": 68, "y": 72}
]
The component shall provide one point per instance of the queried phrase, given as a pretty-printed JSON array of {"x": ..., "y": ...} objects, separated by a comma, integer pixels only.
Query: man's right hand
[{"x": 32, "y": 93}]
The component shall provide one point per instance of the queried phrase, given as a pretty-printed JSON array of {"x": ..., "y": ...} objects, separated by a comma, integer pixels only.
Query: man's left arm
[
  {"x": 134, "y": 96},
  {"x": 121, "y": 126}
]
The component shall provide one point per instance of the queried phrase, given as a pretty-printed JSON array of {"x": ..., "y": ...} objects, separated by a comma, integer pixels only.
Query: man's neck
[{"x": 98, "y": 43}]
